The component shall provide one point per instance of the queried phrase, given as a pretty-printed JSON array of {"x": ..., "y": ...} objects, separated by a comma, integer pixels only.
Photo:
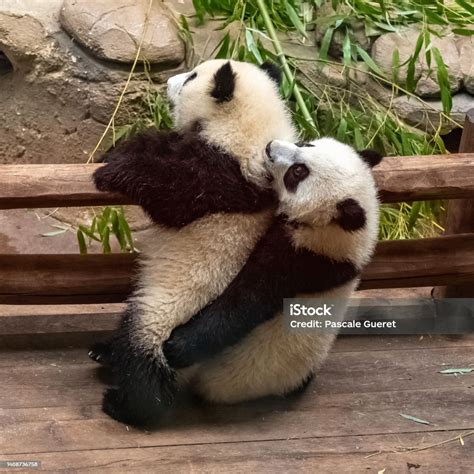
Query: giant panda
[
  {"x": 204, "y": 185},
  {"x": 317, "y": 247}
]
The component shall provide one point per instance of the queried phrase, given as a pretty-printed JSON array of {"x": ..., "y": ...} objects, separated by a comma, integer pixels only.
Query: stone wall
[{"x": 63, "y": 65}]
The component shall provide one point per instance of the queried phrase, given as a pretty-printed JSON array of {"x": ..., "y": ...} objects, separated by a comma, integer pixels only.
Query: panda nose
[{"x": 268, "y": 149}]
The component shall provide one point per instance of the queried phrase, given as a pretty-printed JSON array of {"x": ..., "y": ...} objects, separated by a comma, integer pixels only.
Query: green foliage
[
  {"x": 111, "y": 221},
  {"x": 155, "y": 113},
  {"x": 329, "y": 110}
]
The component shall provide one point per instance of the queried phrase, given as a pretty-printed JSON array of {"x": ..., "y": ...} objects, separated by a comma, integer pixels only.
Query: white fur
[
  {"x": 183, "y": 270},
  {"x": 270, "y": 360}
]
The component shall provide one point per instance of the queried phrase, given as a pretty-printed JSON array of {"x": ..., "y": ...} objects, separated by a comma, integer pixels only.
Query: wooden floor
[{"x": 348, "y": 420}]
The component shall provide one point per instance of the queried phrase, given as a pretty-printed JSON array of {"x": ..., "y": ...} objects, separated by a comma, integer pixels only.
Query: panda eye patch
[
  {"x": 190, "y": 78},
  {"x": 294, "y": 175}
]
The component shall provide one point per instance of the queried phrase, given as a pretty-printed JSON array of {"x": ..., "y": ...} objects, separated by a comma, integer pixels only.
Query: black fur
[
  {"x": 273, "y": 71},
  {"x": 146, "y": 386},
  {"x": 371, "y": 157},
  {"x": 275, "y": 270},
  {"x": 294, "y": 175},
  {"x": 178, "y": 178},
  {"x": 224, "y": 83},
  {"x": 351, "y": 216}
]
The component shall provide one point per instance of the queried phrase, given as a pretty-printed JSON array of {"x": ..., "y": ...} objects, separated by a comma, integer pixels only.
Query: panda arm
[
  {"x": 275, "y": 270},
  {"x": 178, "y": 178}
]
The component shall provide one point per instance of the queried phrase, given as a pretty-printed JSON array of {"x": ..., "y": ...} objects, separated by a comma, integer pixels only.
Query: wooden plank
[
  {"x": 83, "y": 427},
  {"x": 72, "y": 382},
  {"x": 30, "y": 279},
  {"x": 421, "y": 262},
  {"x": 48, "y": 319},
  {"x": 460, "y": 215},
  {"x": 403, "y": 178},
  {"x": 345, "y": 454},
  {"x": 64, "y": 275},
  {"x": 75, "y": 352},
  {"x": 24, "y": 186}
]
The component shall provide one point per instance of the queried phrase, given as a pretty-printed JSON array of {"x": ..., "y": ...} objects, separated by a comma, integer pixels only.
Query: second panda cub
[{"x": 324, "y": 235}]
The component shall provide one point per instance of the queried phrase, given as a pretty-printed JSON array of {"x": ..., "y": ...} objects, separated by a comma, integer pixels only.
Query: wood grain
[
  {"x": 460, "y": 215},
  {"x": 345, "y": 454},
  {"x": 51, "y": 412},
  {"x": 29, "y": 279},
  {"x": 404, "y": 178}
]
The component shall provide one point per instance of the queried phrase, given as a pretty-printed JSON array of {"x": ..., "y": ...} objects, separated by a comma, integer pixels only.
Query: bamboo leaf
[
  {"x": 252, "y": 47},
  {"x": 106, "y": 240},
  {"x": 295, "y": 19},
  {"x": 467, "y": 6},
  {"x": 325, "y": 43},
  {"x": 88, "y": 232},
  {"x": 415, "y": 419},
  {"x": 463, "y": 31},
  {"x": 414, "y": 214},
  {"x": 347, "y": 50},
  {"x": 126, "y": 228},
  {"x": 443, "y": 81},
  {"x": 395, "y": 65},
  {"x": 466, "y": 370},
  {"x": 54, "y": 232},
  {"x": 82, "y": 242},
  {"x": 369, "y": 61}
]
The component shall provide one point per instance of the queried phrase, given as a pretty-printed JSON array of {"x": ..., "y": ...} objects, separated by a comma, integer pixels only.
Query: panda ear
[
  {"x": 224, "y": 83},
  {"x": 351, "y": 216},
  {"x": 371, "y": 157},
  {"x": 273, "y": 71}
]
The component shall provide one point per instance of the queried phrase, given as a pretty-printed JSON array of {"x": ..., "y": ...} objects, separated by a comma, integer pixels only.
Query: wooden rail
[
  {"x": 29, "y": 279},
  {"x": 398, "y": 178}
]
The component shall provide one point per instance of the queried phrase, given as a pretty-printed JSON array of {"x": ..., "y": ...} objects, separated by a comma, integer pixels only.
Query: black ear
[
  {"x": 224, "y": 83},
  {"x": 371, "y": 157},
  {"x": 273, "y": 71},
  {"x": 351, "y": 216}
]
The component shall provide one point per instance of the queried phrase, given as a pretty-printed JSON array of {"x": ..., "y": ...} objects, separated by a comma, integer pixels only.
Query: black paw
[
  {"x": 101, "y": 353},
  {"x": 114, "y": 405},
  {"x": 105, "y": 177},
  {"x": 177, "y": 352}
]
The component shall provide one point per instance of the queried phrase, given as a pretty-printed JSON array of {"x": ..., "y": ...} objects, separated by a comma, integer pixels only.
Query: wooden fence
[{"x": 79, "y": 286}]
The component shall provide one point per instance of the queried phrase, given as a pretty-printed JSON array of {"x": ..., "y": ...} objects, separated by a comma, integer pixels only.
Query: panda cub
[{"x": 323, "y": 237}]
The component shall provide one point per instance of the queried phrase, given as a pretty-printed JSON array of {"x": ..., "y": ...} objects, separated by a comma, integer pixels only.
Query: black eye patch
[
  {"x": 190, "y": 78},
  {"x": 294, "y": 175}
]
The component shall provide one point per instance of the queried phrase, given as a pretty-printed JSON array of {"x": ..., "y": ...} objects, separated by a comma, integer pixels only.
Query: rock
[
  {"x": 427, "y": 86},
  {"x": 317, "y": 77},
  {"x": 22, "y": 38},
  {"x": 46, "y": 12},
  {"x": 423, "y": 114},
  {"x": 358, "y": 28},
  {"x": 466, "y": 58},
  {"x": 113, "y": 29}
]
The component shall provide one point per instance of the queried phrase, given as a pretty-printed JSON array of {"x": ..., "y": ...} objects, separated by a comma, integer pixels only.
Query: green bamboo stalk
[{"x": 284, "y": 63}]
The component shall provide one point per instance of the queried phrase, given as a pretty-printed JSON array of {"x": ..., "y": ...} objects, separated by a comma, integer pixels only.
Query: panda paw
[
  {"x": 100, "y": 353},
  {"x": 114, "y": 405},
  {"x": 105, "y": 177},
  {"x": 177, "y": 351}
]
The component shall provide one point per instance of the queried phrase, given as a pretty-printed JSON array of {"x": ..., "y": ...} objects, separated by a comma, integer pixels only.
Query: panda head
[
  {"x": 324, "y": 184},
  {"x": 233, "y": 105}
]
